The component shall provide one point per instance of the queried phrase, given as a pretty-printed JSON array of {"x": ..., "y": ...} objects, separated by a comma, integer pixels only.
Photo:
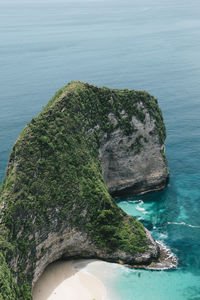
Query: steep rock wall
[{"x": 134, "y": 163}]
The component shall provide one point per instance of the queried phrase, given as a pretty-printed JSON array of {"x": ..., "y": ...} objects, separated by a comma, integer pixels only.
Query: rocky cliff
[
  {"x": 86, "y": 144},
  {"x": 134, "y": 162}
]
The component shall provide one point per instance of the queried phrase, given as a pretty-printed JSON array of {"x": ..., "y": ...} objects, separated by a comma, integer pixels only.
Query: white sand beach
[{"x": 66, "y": 280}]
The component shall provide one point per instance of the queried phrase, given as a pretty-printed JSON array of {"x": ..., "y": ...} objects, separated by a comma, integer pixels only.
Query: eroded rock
[{"x": 54, "y": 199}]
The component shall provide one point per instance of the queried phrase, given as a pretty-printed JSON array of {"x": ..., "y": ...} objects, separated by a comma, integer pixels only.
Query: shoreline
[
  {"x": 76, "y": 279},
  {"x": 63, "y": 280},
  {"x": 167, "y": 260}
]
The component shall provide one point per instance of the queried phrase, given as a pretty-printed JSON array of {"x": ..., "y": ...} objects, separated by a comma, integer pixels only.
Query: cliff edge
[{"x": 87, "y": 144}]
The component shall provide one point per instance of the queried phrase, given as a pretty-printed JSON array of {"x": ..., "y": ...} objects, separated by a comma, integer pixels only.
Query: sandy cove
[
  {"x": 63, "y": 281},
  {"x": 71, "y": 280}
]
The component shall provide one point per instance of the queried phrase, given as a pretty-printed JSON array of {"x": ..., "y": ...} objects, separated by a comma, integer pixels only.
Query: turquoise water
[{"x": 136, "y": 44}]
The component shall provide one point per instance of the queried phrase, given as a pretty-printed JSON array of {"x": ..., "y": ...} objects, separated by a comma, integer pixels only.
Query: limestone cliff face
[
  {"x": 135, "y": 163},
  {"x": 54, "y": 199}
]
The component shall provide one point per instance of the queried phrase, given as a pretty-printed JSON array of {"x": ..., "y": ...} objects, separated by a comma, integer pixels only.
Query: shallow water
[
  {"x": 140, "y": 44},
  {"x": 174, "y": 224}
]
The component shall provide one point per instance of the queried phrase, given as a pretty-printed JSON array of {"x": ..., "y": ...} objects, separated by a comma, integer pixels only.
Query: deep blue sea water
[{"x": 136, "y": 44}]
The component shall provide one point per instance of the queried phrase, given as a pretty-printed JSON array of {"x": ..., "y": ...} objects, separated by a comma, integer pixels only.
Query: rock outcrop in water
[{"x": 54, "y": 199}]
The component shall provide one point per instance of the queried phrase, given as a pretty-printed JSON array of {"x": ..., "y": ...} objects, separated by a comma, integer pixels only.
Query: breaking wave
[{"x": 183, "y": 223}]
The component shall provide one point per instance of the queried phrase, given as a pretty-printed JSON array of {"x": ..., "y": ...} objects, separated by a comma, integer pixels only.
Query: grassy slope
[{"x": 54, "y": 171}]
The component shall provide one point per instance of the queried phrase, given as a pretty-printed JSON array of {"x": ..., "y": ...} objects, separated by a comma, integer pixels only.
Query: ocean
[{"x": 152, "y": 45}]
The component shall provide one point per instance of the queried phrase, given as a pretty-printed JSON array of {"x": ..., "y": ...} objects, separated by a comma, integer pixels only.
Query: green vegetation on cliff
[{"x": 54, "y": 173}]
